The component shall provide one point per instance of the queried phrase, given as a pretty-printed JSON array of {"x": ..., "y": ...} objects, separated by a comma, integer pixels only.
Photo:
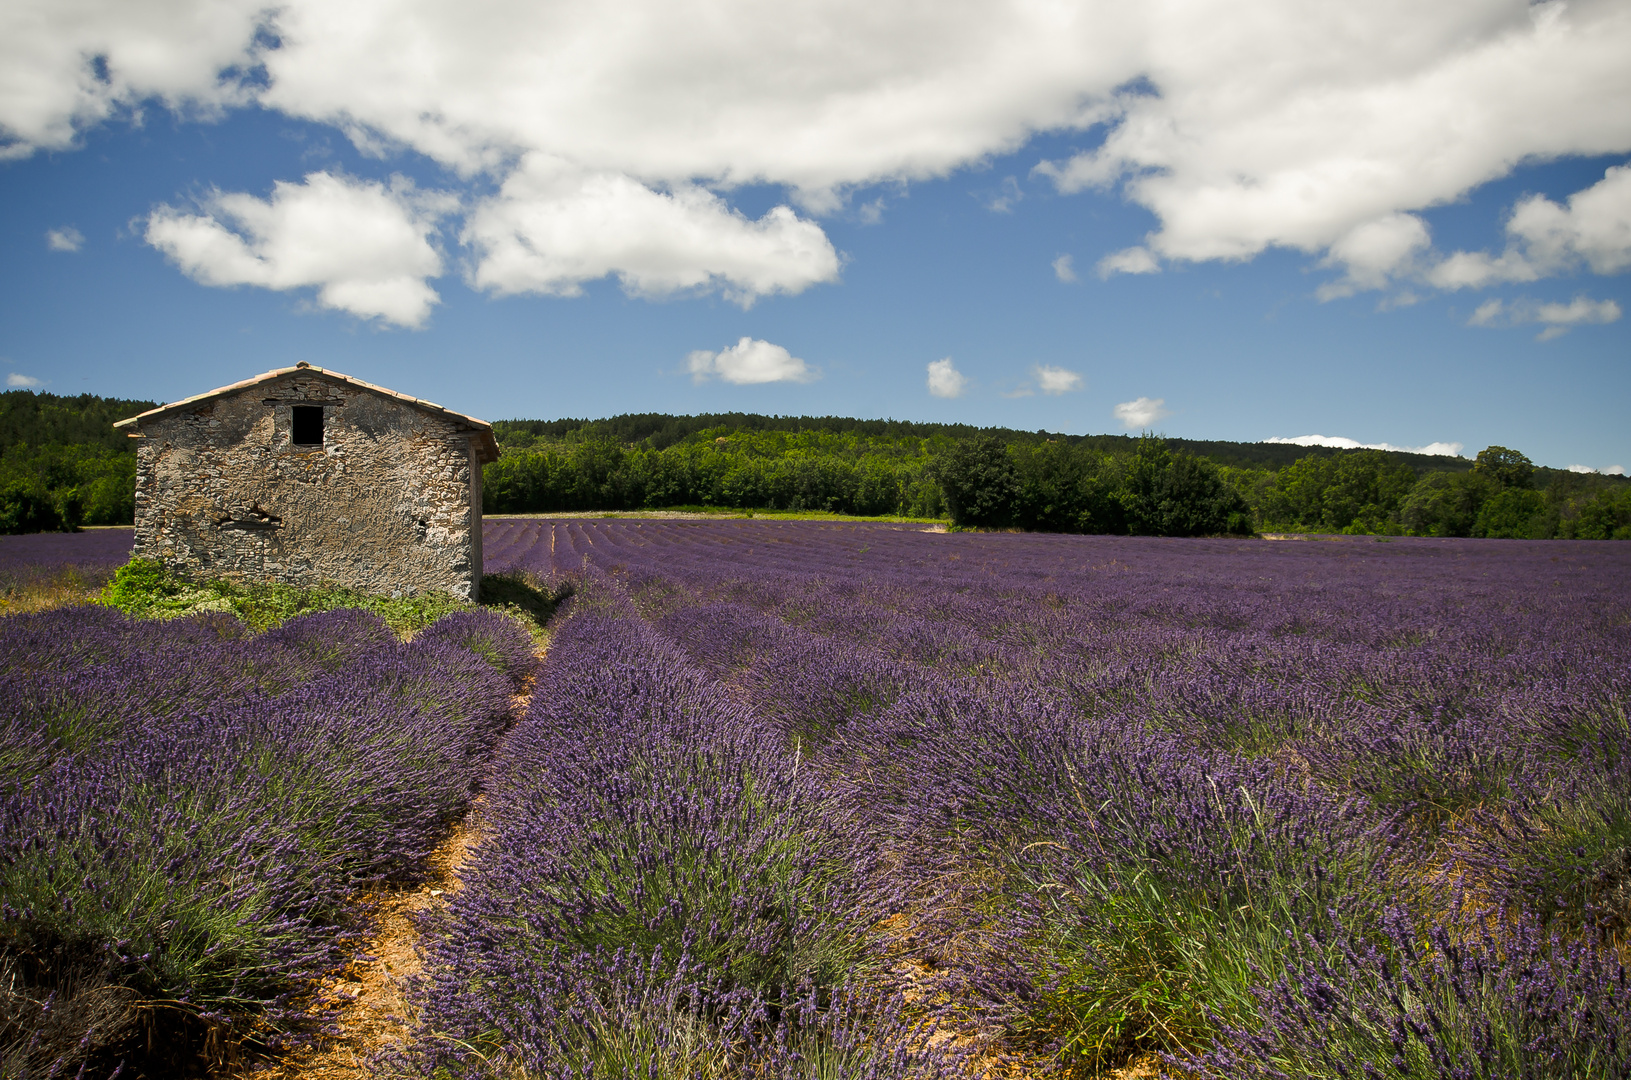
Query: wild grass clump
[
  {"x": 145, "y": 589},
  {"x": 43, "y": 588},
  {"x": 1562, "y": 854}
]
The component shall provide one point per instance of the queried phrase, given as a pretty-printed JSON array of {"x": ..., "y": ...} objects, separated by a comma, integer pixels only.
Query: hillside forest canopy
[
  {"x": 1000, "y": 478},
  {"x": 63, "y": 466}
]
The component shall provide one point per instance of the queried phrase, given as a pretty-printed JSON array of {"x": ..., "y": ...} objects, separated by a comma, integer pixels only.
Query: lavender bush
[
  {"x": 187, "y": 807},
  {"x": 818, "y": 800},
  {"x": 488, "y": 635},
  {"x": 1423, "y": 1001},
  {"x": 661, "y": 878}
]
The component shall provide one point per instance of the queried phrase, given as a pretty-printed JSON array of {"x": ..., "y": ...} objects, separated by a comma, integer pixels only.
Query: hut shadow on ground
[{"x": 536, "y": 598}]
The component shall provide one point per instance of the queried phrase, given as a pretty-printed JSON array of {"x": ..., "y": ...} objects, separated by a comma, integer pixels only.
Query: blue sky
[{"x": 1317, "y": 254}]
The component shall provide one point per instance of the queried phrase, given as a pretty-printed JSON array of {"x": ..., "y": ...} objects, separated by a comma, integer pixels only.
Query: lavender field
[
  {"x": 832, "y": 800},
  {"x": 799, "y": 800},
  {"x": 186, "y": 810}
]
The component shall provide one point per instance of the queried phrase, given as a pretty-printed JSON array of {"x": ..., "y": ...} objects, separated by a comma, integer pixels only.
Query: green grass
[
  {"x": 1133, "y": 958},
  {"x": 729, "y": 512},
  {"x": 42, "y": 591},
  {"x": 145, "y": 589}
]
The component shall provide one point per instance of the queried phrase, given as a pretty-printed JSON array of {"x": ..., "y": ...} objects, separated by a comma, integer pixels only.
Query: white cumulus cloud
[
  {"x": 945, "y": 380},
  {"x": 1436, "y": 449},
  {"x": 1133, "y": 260},
  {"x": 66, "y": 238},
  {"x": 68, "y": 64},
  {"x": 363, "y": 246},
  {"x": 1141, "y": 412},
  {"x": 1056, "y": 380},
  {"x": 1241, "y": 125},
  {"x": 1546, "y": 238},
  {"x": 1374, "y": 252},
  {"x": 749, "y": 361},
  {"x": 552, "y": 227},
  {"x": 1064, "y": 268},
  {"x": 20, "y": 381},
  {"x": 1557, "y": 318},
  {"x": 1297, "y": 125}
]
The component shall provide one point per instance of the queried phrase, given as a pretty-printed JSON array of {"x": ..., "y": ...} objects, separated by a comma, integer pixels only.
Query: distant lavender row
[
  {"x": 186, "y": 808},
  {"x": 1102, "y": 778},
  {"x": 91, "y": 548},
  {"x": 81, "y": 561}
]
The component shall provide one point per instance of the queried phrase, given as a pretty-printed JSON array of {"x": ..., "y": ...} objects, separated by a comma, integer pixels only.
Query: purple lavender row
[
  {"x": 666, "y": 886},
  {"x": 1409, "y": 692},
  {"x": 186, "y": 809}
]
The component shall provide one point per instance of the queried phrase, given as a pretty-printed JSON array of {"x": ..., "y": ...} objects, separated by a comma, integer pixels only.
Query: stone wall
[{"x": 390, "y": 502}]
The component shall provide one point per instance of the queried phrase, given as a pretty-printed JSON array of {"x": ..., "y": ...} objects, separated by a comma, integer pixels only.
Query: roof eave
[{"x": 488, "y": 447}]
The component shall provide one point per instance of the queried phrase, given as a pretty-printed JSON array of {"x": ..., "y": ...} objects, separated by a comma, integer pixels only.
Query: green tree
[
  {"x": 1508, "y": 468},
  {"x": 1446, "y": 504},
  {"x": 979, "y": 481},
  {"x": 1051, "y": 478},
  {"x": 1167, "y": 494},
  {"x": 1359, "y": 491},
  {"x": 27, "y": 506},
  {"x": 1607, "y": 516},
  {"x": 1515, "y": 513}
]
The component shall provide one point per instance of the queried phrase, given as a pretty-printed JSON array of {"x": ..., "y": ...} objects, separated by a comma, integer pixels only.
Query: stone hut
[{"x": 309, "y": 477}]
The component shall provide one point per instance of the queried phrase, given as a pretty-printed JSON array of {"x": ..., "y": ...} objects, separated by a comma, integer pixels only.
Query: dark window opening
[{"x": 308, "y": 425}]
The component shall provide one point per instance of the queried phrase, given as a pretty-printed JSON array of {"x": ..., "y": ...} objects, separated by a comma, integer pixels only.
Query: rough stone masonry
[{"x": 309, "y": 477}]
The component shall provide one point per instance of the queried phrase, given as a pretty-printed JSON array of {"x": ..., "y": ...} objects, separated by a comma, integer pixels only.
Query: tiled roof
[{"x": 486, "y": 445}]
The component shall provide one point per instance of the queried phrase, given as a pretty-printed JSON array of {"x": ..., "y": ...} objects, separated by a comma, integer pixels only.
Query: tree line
[
  {"x": 62, "y": 465},
  {"x": 997, "y": 478},
  {"x": 751, "y": 468},
  {"x": 1503, "y": 495}
]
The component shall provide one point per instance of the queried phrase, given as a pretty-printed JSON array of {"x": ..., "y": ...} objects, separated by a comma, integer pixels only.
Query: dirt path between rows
[{"x": 373, "y": 1014}]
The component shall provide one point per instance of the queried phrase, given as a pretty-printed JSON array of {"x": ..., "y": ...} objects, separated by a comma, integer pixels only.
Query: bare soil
[
  {"x": 370, "y": 1010},
  {"x": 367, "y": 1001}
]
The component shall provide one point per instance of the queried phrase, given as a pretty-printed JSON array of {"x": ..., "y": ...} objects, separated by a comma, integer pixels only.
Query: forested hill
[
  {"x": 38, "y": 419},
  {"x": 61, "y": 463},
  {"x": 1035, "y": 480},
  {"x": 659, "y": 431}
]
